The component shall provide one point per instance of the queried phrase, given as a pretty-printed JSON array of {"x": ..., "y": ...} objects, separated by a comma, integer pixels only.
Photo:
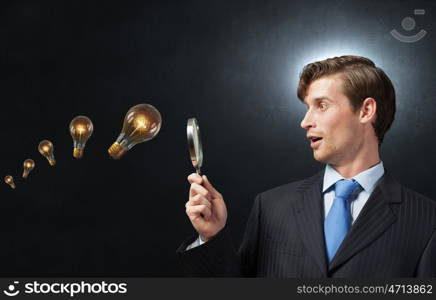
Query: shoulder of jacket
[
  {"x": 288, "y": 189},
  {"x": 417, "y": 198}
]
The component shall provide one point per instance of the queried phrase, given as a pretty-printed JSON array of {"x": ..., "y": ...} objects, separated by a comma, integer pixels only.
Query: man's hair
[{"x": 361, "y": 79}]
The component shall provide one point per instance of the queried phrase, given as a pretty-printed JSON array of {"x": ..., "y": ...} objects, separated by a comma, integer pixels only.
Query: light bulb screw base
[
  {"x": 77, "y": 153},
  {"x": 116, "y": 151}
]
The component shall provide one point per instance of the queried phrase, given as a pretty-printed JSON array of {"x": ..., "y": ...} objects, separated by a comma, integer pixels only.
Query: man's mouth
[{"x": 315, "y": 141}]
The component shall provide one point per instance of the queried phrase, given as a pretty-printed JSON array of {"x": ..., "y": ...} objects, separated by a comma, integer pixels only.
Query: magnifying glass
[{"x": 194, "y": 144}]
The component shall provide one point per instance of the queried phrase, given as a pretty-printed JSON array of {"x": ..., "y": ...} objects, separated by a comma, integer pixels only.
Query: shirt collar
[{"x": 367, "y": 179}]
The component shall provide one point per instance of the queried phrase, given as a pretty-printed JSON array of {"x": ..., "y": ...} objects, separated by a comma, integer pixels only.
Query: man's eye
[{"x": 323, "y": 106}]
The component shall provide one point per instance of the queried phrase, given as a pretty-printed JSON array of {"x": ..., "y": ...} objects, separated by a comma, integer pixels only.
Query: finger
[
  {"x": 198, "y": 189},
  {"x": 209, "y": 186},
  {"x": 198, "y": 200},
  {"x": 198, "y": 211},
  {"x": 194, "y": 177}
]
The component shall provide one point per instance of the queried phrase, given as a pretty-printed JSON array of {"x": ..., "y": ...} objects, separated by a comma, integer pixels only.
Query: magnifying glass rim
[{"x": 195, "y": 150}]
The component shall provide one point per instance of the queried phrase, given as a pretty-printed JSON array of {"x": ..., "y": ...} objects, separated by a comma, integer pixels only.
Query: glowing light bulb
[
  {"x": 81, "y": 129},
  {"x": 10, "y": 180},
  {"x": 28, "y": 165},
  {"x": 141, "y": 123},
  {"x": 46, "y": 148}
]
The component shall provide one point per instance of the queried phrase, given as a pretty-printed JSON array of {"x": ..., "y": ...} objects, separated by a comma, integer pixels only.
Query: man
[{"x": 350, "y": 220}]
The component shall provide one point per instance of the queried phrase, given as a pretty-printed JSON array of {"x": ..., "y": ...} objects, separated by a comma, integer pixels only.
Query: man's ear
[{"x": 368, "y": 110}]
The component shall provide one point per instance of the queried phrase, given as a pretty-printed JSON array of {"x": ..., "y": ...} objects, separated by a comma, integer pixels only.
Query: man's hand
[{"x": 206, "y": 208}]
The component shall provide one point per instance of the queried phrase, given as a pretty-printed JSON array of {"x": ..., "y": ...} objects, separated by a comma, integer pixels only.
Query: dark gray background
[{"x": 232, "y": 64}]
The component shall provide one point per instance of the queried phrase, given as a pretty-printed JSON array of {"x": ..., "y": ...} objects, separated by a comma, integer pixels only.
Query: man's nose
[{"x": 307, "y": 121}]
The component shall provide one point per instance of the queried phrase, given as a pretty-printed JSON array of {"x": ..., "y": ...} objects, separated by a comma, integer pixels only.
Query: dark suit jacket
[{"x": 393, "y": 236}]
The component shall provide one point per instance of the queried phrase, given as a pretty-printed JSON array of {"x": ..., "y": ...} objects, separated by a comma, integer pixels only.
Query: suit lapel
[
  {"x": 374, "y": 219},
  {"x": 309, "y": 217}
]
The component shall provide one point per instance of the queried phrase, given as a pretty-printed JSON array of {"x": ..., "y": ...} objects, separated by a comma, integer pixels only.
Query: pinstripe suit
[{"x": 393, "y": 236}]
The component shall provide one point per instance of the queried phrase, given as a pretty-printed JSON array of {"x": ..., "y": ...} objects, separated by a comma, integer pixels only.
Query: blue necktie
[{"x": 338, "y": 221}]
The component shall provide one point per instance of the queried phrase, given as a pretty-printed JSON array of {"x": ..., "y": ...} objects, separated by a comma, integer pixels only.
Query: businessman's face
[{"x": 333, "y": 129}]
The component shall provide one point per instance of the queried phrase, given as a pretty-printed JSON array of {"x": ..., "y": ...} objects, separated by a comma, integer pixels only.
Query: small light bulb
[
  {"x": 141, "y": 123},
  {"x": 46, "y": 148},
  {"x": 28, "y": 165},
  {"x": 81, "y": 129},
  {"x": 10, "y": 180}
]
